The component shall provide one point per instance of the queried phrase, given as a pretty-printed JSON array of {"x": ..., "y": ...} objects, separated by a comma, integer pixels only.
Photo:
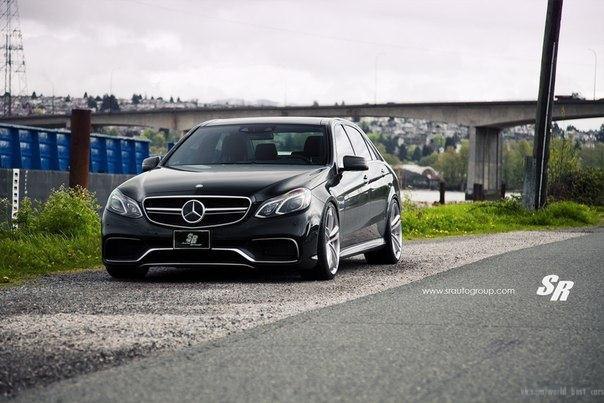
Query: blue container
[
  {"x": 63, "y": 150},
  {"x": 47, "y": 149}
]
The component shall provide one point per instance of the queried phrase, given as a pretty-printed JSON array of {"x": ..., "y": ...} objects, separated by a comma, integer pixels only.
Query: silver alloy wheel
[
  {"x": 395, "y": 231},
  {"x": 332, "y": 240}
]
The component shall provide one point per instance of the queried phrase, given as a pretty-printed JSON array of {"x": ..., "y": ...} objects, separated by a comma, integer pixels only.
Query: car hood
[{"x": 257, "y": 181}]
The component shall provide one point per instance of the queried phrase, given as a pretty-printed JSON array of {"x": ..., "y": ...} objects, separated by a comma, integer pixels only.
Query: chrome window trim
[{"x": 247, "y": 209}]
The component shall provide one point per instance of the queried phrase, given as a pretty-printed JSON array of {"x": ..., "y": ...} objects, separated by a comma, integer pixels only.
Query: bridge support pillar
[{"x": 485, "y": 163}]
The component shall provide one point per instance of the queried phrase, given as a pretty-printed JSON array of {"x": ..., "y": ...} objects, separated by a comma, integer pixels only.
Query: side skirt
[{"x": 362, "y": 247}]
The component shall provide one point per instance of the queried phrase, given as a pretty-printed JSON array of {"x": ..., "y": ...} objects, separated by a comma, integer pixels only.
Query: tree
[
  {"x": 427, "y": 149},
  {"x": 158, "y": 141},
  {"x": 67, "y": 98},
  {"x": 563, "y": 159},
  {"x": 136, "y": 99},
  {"x": 392, "y": 160},
  {"x": 593, "y": 157},
  {"x": 109, "y": 104},
  {"x": 402, "y": 152},
  {"x": 428, "y": 160},
  {"x": 417, "y": 154},
  {"x": 514, "y": 154},
  {"x": 568, "y": 179},
  {"x": 85, "y": 95},
  {"x": 92, "y": 103},
  {"x": 450, "y": 142},
  {"x": 600, "y": 134},
  {"x": 33, "y": 95},
  {"x": 438, "y": 141},
  {"x": 453, "y": 166},
  {"x": 171, "y": 100}
]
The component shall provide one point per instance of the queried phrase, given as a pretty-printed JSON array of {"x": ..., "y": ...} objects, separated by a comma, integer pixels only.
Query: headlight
[
  {"x": 123, "y": 205},
  {"x": 290, "y": 202}
]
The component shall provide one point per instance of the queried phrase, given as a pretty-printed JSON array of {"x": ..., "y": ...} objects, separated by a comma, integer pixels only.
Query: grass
[
  {"x": 24, "y": 256},
  {"x": 58, "y": 235},
  {"x": 491, "y": 217},
  {"x": 63, "y": 234}
]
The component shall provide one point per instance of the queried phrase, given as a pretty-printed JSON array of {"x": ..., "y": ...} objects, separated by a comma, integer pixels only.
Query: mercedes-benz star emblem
[{"x": 193, "y": 211}]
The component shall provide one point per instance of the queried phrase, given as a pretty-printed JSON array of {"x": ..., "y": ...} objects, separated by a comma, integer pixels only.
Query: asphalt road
[{"x": 399, "y": 344}]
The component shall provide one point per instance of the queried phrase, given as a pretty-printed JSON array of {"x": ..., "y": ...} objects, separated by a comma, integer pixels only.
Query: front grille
[{"x": 218, "y": 210}]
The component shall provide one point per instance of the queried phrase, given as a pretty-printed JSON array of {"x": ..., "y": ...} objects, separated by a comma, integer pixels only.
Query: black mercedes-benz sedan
[{"x": 257, "y": 192}]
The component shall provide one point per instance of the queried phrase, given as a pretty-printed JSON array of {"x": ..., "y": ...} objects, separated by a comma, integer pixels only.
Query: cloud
[{"x": 309, "y": 50}]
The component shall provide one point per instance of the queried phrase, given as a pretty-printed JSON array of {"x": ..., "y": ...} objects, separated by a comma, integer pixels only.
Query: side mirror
[
  {"x": 354, "y": 163},
  {"x": 151, "y": 162}
]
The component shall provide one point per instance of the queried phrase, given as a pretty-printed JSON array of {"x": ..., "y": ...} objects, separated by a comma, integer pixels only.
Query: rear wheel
[
  {"x": 391, "y": 252},
  {"x": 328, "y": 247},
  {"x": 126, "y": 272}
]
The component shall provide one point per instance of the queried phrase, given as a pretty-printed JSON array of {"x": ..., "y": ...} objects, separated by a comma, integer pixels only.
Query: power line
[{"x": 478, "y": 55}]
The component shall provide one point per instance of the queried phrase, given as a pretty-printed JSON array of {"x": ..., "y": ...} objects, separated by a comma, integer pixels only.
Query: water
[{"x": 431, "y": 196}]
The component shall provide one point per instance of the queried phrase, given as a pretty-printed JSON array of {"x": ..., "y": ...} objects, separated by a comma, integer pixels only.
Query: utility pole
[
  {"x": 595, "y": 70},
  {"x": 535, "y": 186},
  {"x": 14, "y": 58}
]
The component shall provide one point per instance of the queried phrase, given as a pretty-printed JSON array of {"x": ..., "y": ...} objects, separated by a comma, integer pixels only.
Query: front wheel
[
  {"x": 126, "y": 272},
  {"x": 392, "y": 250},
  {"x": 328, "y": 247}
]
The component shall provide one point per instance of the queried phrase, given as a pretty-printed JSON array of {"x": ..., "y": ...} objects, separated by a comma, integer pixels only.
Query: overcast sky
[{"x": 305, "y": 50}]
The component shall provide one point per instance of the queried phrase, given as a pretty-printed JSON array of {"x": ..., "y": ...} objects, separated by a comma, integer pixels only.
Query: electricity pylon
[{"x": 14, "y": 58}]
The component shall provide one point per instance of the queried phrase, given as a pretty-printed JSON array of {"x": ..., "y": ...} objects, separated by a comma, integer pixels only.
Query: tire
[
  {"x": 126, "y": 272},
  {"x": 391, "y": 252},
  {"x": 328, "y": 247}
]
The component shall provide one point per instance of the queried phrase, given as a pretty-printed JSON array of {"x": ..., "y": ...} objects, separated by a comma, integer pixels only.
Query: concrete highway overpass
[
  {"x": 485, "y": 119},
  {"x": 498, "y": 114}
]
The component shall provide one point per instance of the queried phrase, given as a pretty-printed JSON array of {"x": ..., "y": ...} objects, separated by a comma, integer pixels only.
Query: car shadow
[{"x": 236, "y": 274}]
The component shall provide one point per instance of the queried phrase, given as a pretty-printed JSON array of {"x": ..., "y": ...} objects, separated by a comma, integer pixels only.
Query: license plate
[{"x": 191, "y": 239}]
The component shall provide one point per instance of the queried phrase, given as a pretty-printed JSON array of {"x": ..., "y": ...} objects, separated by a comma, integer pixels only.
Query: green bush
[
  {"x": 68, "y": 212},
  {"x": 569, "y": 179},
  {"x": 584, "y": 185},
  {"x": 60, "y": 234}
]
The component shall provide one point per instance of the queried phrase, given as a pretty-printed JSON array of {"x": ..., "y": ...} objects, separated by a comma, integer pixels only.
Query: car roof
[{"x": 301, "y": 120}]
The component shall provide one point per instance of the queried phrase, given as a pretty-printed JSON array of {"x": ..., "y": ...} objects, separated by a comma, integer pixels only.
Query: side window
[
  {"x": 343, "y": 146},
  {"x": 358, "y": 142}
]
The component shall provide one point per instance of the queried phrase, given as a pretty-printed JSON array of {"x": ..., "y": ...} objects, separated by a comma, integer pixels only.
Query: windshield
[{"x": 289, "y": 144}]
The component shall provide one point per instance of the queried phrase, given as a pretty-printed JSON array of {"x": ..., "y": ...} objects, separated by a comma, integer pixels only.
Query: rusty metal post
[
  {"x": 79, "y": 158},
  {"x": 478, "y": 192},
  {"x": 441, "y": 190}
]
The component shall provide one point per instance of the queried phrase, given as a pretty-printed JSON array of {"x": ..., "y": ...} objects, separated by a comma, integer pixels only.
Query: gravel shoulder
[{"x": 66, "y": 325}]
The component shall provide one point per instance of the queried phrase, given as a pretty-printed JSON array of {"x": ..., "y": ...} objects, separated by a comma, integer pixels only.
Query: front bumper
[{"x": 289, "y": 240}]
